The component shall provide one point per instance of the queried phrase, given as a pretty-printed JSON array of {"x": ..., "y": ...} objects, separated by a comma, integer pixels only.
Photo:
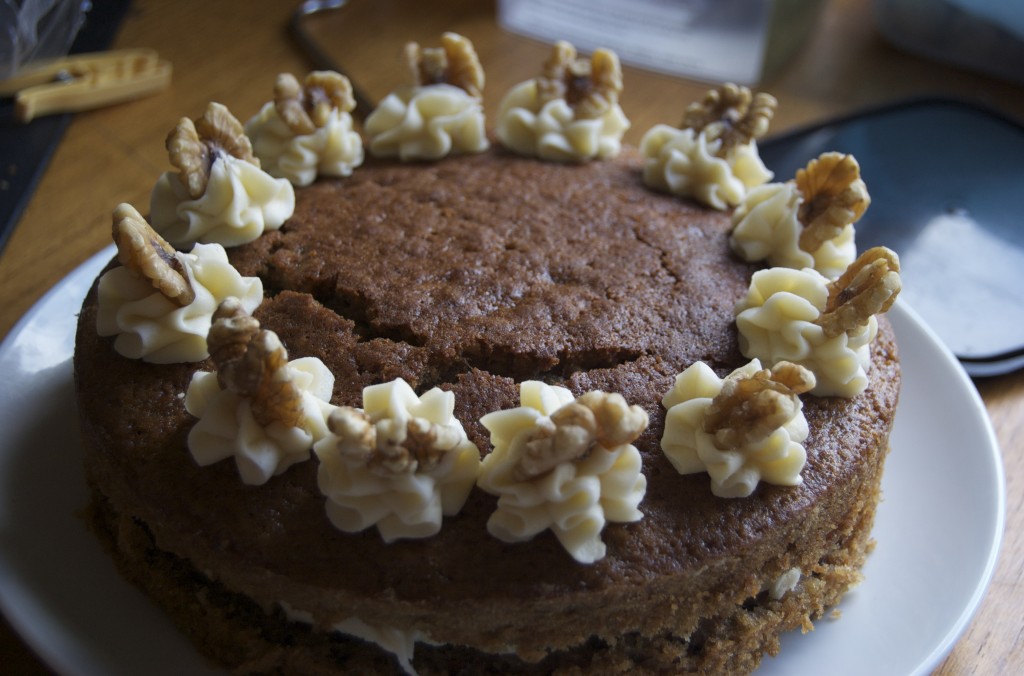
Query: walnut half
[
  {"x": 834, "y": 196},
  {"x": 731, "y": 113},
  {"x": 252, "y": 363},
  {"x": 194, "y": 146},
  {"x": 305, "y": 107},
  {"x": 591, "y": 88},
  {"x": 142, "y": 250},
  {"x": 749, "y": 408},
  {"x": 869, "y": 286},
  {"x": 570, "y": 433},
  {"x": 455, "y": 62}
]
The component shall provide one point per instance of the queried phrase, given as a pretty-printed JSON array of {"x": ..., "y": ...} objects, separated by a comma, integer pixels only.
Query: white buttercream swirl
[
  {"x": 685, "y": 163},
  {"x": 427, "y": 123},
  {"x": 766, "y": 227},
  {"x": 402, "y": 504},
  {"x": 575, "y": 498},
  {"x": 776, "y": 322},
  {"x": 735, "y": 473},
  {"x": 226, "y": 426},
  {"x": 153, "y": 328},
  {"x": 241, "y": 202},
  {"x": 550, "y": 130},
  {"x": 335, "y": 149}
]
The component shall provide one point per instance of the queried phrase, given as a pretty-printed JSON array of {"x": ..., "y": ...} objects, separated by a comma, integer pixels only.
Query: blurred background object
[
  {"x": 33, "y": 30},
  {"x": 742, "y": 41},
  {"x": 983, "y": 35}
]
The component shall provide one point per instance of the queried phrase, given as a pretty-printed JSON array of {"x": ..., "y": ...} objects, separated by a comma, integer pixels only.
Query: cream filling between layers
[
  {"x": 551, "y": 130},
  {"x": 735, "y": 473},
  {"x": 153, "y": 328},
  {"x": 766, "y": 227},
  {"x": 401, "y": 644},
  {"x": 785, "y": 583},
  {"x": 685, "y": 163},
  {"x": 334, "y": 149},
  {"x": 241, "y": 202},
  {"x": 427, "y": 123},
  {"x": 227, "y": 428},
  {"x": 776, "y": 322}
]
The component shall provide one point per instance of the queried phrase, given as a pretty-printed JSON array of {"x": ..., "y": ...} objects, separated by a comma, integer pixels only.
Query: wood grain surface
[{"x": 231, "y": 50}]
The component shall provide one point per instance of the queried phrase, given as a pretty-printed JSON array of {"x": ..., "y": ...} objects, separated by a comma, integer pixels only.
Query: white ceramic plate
[{"x": 938, "y": 529}]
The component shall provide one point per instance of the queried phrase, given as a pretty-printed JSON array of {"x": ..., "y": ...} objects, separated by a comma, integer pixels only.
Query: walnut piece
[
  {"x": 869, "y": 286},
  {"x": 357, "y": 437},
  {"x": 252, "y": 363},
  {"x": 591, "y": 88},
  {"x": 570, "y": 433},
  {"x": 731, "y": 113},
  {"x": 306, "y": 107},
  {"x": 455, "y": 62},
  {"x": 419, "y": 445},
  {"x": 142, "y": 250},
  {"x": 749, "y": 408},
  {"x": 194, "y": 146},
  {"x": 834, "y": 197}
]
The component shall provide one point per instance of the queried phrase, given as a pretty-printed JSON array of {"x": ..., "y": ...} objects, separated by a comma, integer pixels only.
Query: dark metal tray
[{"x": 946, "y": 180}]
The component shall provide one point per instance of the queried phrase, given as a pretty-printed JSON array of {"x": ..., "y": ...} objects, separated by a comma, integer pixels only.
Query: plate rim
[{"x": 36, "y": 637}]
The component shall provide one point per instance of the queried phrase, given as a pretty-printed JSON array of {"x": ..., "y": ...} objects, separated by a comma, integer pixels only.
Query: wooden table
[{"x": 231, "y": 52}]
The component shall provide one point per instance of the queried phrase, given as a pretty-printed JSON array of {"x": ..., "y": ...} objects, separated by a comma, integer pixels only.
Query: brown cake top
[{"x": 517, "y": 268}]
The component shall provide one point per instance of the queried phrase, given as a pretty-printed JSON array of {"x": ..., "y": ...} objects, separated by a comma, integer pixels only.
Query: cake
[{"x": 486, "y": 291}]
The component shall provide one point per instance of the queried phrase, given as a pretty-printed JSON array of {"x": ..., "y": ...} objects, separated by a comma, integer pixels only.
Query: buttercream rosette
[
  {"x": 550, "y": 471},
  {"x": 400, "y": 464},
  {"x": 777, "y": 456}
]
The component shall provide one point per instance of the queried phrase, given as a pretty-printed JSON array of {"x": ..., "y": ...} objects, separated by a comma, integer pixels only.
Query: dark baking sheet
[{"x": 946, "y": 180}]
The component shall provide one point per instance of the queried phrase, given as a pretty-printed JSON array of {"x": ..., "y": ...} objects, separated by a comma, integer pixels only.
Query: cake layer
[{"x": 474, "y": 274}]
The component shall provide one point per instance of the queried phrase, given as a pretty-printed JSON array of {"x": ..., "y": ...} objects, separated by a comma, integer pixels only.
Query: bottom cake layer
[{"x": 235, "y": 632}]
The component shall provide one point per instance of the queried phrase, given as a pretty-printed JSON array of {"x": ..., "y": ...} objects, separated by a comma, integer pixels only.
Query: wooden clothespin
[{"x": 86, "y": 81}]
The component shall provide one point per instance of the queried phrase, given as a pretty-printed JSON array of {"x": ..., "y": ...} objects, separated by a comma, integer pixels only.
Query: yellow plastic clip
[{"x": 86, "y": 81}]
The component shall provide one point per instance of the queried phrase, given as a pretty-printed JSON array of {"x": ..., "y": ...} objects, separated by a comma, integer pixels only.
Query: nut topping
[
  {"x": 390, "y": 448},
  {"x": 591, "y": 88},
  {"x": 834, "y": 197},
  {"x": 455, "y": 62},
  {"x": 141, "y": 249},
  {"x": 194, "y": 146},
  {"x": 595, "y": 418},
  {"x": 305, "y": 107},
  {"x": 749, "y": 409},
  {"x": 731, "y": 113},
  {"x": 868, "y": 287},
  {"x": 252, "y": 363}
]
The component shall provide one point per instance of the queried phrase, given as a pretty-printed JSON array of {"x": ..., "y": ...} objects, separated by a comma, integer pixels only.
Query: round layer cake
[{"x": 474, "y": 274}]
